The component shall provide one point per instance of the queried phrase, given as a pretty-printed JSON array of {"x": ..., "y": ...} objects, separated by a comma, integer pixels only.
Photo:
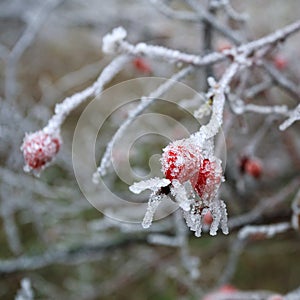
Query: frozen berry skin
[
  {"x": 184, "y": 161},
  {"x": 39, "y": 148},
  {"x": 181, "y": 161}
]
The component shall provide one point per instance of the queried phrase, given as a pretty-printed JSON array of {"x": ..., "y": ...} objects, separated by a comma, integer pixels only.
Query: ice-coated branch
[
  {"x": 296, "y": 211},
  {"x": 235, "y": 250},
  {"x": 26, "y": 292},
  {"x": 239, "y": 107},
  {"x": 252, "y": 91},
  {"x": 159, "y": 52},
  {"x": 218, "y": 91},
  {"x": 145, "y": 102},
  {"x": 267, "y": 231},
  {"x": 62, "y": 110},
  {"x": 23, "y": 43},
  {"x": 206, "y": 16},
  {"x": 264, "y": 205},
  {"x": 277, "y": 36},
  {"x": 294, "y": 116},
  {"x": 293, "y": 295},
  {"x": 231, "y": 12},
  {"x": 41, "y": 147},
  {"x": 281, "y": 80},
  {"x": 72, "y": 256},
  {"x": 174, "y": 14},
  {"x": 238, "y": 245}
]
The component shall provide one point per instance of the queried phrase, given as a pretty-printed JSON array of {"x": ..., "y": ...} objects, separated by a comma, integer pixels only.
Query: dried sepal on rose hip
[{"x": 39, "y": 149}]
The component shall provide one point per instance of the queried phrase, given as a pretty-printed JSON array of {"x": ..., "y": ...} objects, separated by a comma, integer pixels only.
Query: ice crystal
[
  {"x": 193, "y": 176},
  {"x": 153, "y": 203},
  {"x": 110, "y": 40},
  {"x": 153, "y": 184},
  {"x": 39, "y": 149}
]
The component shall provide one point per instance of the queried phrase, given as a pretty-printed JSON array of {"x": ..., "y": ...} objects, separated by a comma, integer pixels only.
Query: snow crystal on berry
[
  {"x": 185, "y": 161},
  {"x": 39, "y": 148},
  {"x": 110, "y": 40},
  {"x": 193, "y": 177}
]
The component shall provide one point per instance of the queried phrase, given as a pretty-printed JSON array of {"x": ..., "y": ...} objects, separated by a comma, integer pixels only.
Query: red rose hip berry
[
  {"x": 39, "y": 148},
  {"x": 183, "y": 161}
]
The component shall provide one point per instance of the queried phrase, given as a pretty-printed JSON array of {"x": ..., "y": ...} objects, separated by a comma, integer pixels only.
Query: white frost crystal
[
  {"x": 153, "y": 184},
  {"x": 155, "y": 199},
  {"x": 193, "y": 176},
  {"x": 110, "y": 40}
]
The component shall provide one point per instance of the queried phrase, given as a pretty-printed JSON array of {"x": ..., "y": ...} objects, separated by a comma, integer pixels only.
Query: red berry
[
  {"x": 219, "y": 294},
  {"x": 280, "y": 62},
  {"x": 224, "y": 46},
  {"x": 39, "y": 148},
  {"x": 275, "y": 297},
  {"x": 141, "y": 65},
  {"x": 228, "y": 289},
  {"x": 184, "y": 161},
  {"x": 251, "y": 166},
  {"x": 181, "y": 162},
  {"x": 208, "y": 218}
]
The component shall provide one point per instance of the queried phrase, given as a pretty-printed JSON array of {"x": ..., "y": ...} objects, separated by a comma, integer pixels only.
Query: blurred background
[{"x": 49, "y": 232}]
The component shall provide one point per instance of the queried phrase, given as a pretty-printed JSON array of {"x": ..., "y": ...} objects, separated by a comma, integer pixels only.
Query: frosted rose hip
[
  {"x": 184, "y": 161},
  {"x": 39, "y": 148}
]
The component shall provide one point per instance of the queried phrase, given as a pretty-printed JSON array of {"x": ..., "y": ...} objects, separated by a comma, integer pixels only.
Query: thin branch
[
  {"x": 175, "y": 56},
  {"x": 174, "y": 14},
  {"x": 267, "y": 231},
  {"x": 294, "y": 116},
  {"x": 281, "y": 80},
  {"x": 144, "y": 103},
  {"x": 264, "y": 205},
  {"x": 23, "y": 43},
  {"x": 72, "y": 256},
  {"x": 63, "y": 109},
  {"x": 210, "y": 18}
]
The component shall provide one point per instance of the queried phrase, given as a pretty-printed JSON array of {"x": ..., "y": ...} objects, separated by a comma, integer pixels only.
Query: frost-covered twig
[
  {"x": 235, "y": 251},
  {"x": 264, "y": 205},
  {"x": 72, "y": 255},
  {"x": 40, "y": 148},
  {"x": 218, "y": 91},
  {"x": 238, "y": 245},
  {"x": 252, "y": 91},
  {"x": 267, "y": 231},
  {"x": 239, "y": 107},
  {"x": 180, "y": 162},
  {"x": 115, "y": 43},
  {"x": 293, "y": 295},
  {"x": 62, "y": 110},
  {"x": 281, "y": 80},
  {"x": 210, "y": 18},
  {"x": 23, "y": 43},
  {"x": 145, "y": 102},
  {"x": 231, "y": 12},
  {"x": 174, "y": 14},
  {"x": 26, "y": 292},
  {"x": 294, "y": 116},
  {"x": 296, "y": 211},
  {"x": 11, "y": 229}
]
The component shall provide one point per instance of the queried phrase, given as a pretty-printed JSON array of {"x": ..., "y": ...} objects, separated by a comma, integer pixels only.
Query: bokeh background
[{"x": 52, "y": 235}]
